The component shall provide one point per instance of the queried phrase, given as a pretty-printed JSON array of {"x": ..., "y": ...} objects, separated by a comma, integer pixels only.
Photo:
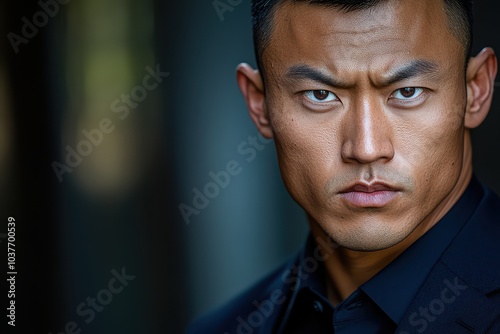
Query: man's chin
[
  {"x": 372, "y": 240},
  {"x": 369, "y": 247}
]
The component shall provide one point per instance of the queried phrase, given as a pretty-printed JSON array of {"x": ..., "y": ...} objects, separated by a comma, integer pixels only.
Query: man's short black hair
[{"x": 459, "y": 14}]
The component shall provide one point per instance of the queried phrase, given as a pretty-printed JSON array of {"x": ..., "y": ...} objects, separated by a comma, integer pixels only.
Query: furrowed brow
[
  {"x": 413, "y": 69},
  {"x": 306, "y": 72}
]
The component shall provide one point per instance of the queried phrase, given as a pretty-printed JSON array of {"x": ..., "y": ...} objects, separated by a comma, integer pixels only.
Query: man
[{"x": 370, "y": 105}]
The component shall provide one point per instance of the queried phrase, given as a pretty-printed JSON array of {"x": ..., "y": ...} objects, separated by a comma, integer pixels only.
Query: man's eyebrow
[
  {"x": 415, "y": 68},
  {"x": 306, "y": 72}
]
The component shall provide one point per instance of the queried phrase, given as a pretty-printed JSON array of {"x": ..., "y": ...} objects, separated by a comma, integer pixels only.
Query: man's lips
[{"x": 374, "y": 195}]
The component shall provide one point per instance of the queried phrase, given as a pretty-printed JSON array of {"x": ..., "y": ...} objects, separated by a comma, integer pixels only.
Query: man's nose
[{"x": 368, "y": 134}]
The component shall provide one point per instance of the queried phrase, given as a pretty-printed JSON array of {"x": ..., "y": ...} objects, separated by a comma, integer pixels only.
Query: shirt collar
[
  {"x": 394, "y": 287},
  {"x": 301, "y": 278}
]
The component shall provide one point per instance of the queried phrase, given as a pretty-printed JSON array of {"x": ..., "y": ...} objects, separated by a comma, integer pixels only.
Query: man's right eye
[{"x": 319, "y": 96}]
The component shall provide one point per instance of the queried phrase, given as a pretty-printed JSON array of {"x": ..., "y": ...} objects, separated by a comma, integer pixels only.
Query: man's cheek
[
  {"x": 425, "y": 143},
  {"x": 299, "y": 169}
]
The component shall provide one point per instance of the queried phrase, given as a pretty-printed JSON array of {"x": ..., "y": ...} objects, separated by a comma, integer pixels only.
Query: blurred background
[{"x": 113, "y": 115}]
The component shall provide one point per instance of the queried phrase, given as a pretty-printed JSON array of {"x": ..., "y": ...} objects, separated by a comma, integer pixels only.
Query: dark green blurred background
[{"x": 119, "y": 207}]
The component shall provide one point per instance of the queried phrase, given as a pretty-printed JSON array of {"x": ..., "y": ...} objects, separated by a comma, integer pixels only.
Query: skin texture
[{"x": 365, "y": 119}]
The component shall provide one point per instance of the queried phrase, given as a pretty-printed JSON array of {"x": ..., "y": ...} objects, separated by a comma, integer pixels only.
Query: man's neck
[{"x": 347, "y": 269}]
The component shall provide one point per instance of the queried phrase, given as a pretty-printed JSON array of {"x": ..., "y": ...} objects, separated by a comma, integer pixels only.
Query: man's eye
[
  {"x": 407, "y": 93},
  {"x": 320, "y": 96}
]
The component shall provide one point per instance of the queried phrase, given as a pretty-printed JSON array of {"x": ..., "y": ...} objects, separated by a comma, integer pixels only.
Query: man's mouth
[{"x": 369, "y": 195}]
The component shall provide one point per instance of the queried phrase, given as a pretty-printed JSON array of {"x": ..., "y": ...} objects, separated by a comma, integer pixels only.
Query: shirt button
[
  {"x": 354, "y": 306},
  {"x": 318, "y": 307}
]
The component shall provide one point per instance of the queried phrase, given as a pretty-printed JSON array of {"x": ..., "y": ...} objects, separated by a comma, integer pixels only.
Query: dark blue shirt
[{"x": 379, "y": 305}]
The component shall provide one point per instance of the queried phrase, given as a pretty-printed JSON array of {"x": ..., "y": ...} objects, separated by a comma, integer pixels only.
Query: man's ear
[
  {"x": 481, "y": 73},
  {"x": 252, "y": 88}
]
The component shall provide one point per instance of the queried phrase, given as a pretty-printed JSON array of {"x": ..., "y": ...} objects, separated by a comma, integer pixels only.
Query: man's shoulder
[
  {"x": 261, "y": 301},
  {"x": 462, "y": 292},
  {"x": 473, "y": 255}
]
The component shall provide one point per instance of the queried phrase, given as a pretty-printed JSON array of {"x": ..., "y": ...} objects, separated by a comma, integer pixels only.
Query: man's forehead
[
  {"x": 346, "y": 21},
  {"x": 393, "y": 28},
  {"x": 290, "y": 15}
]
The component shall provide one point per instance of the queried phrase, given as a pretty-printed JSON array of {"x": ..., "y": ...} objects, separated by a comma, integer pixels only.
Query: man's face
[{"x": 367, "y": 111}]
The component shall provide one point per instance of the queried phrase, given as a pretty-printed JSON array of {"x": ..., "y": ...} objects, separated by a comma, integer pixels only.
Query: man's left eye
[
  {"x": 407, "y": 93},
  {"x": 320, "y": 95}
]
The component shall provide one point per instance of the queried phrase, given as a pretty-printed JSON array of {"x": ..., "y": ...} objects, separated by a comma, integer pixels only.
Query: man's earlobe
[
  {"x": 481, "y": 73},
  {"x": 252, "y": 88}
]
